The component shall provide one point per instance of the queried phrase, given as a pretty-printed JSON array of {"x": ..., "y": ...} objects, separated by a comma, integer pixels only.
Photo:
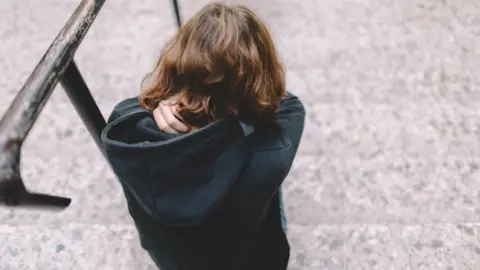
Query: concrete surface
[{"x": 387, "y": 176}]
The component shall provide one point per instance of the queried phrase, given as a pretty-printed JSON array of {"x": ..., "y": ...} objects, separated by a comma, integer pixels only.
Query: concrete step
[
  {"x": 314, "y": 247},
  {"x": 387, "y": 173},
  {"x": 72, "y": 246}
]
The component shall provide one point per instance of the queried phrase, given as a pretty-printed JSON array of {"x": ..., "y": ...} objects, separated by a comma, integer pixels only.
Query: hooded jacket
[{"x": 208, "y": 199}]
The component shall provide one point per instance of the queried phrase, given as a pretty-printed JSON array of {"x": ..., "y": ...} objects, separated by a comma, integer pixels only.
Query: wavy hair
[{"x": 221, "y": 63}]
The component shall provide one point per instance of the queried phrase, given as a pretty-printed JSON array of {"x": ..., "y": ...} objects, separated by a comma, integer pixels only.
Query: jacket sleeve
[{"x": 291, "y": 118}]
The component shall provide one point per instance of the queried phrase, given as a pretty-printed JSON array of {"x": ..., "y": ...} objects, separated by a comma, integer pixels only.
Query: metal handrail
[
  {"x": 56, "y": 65},
  {"x": 30, "y": 100}
]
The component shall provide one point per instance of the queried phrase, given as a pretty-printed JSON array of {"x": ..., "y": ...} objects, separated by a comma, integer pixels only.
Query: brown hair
[{"x": 221, "y": 63}]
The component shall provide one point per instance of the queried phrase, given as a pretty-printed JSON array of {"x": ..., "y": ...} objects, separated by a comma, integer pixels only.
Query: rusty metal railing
[{"x": 56, "y": 65}]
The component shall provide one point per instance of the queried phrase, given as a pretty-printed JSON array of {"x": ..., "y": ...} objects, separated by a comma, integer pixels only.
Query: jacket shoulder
[{"x": 124, "y": 107}]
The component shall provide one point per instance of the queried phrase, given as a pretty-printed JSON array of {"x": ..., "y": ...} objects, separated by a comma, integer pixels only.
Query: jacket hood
[{"x": 178, "y": 179}]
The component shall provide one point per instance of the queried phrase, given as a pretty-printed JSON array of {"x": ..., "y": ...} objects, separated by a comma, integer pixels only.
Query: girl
[{"x": 202, "y": 152}]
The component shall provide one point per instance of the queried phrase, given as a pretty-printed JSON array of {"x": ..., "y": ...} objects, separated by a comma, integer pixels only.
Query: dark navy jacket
[{"x": 207, "y": 199}]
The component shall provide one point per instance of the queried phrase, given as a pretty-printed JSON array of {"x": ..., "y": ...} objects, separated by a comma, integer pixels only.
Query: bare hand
[{"x": 165, "y": 117}]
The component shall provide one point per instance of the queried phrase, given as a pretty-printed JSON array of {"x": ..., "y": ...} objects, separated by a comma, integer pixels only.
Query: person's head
[{"x": 221, "y": 63}]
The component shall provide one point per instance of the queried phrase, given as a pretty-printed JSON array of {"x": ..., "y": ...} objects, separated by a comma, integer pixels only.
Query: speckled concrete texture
[{"x": 388, "y": 173}]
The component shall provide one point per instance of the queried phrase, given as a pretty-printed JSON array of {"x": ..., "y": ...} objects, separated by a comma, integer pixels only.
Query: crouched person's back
[{"x": 202, "y": 153}]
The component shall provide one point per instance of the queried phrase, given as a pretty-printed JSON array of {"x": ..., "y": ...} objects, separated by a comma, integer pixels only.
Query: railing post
[
  {"x": 82, "y": 99},
  {"x": 176, "y": 9}
]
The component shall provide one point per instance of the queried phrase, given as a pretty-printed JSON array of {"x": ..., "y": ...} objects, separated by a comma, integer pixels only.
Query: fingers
[
  {"x": 164, "y": 116},
  {"x": 168, "y": 113},
  {"x": 161, "y": 123}
]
